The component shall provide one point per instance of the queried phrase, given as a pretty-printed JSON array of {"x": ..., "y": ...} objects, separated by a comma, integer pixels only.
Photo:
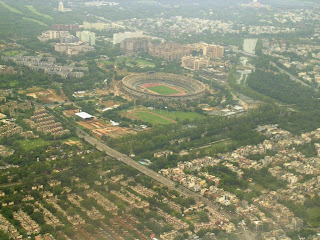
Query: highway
[
  {"x": 293, "y": 78},
  {"x": 152, "y": 174}
]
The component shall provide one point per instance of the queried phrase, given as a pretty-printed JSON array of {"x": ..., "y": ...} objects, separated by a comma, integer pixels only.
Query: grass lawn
[
  {"x": 13, "y": 83},
  {"x": 257, "y": 187},
  {"x": 219, "y": 146},
  {"x": 11, "y": 9},
  {"x": 33, "y": 10},
  {"x": 163, "y": 117},
  {"x": 36, "y": 21},
  {"x": 178, "y": 115},
  {"x": 31, "y": 144},
  {"x": 314, "y": 216},
  {"x": 153, "y": 119},
  {"x": 14, "y": 53},
  {"x": 163, "y": 90},
  {"x": 144, "y": 63}
]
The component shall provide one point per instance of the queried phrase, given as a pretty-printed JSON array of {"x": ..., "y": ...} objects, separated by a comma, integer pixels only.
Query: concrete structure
[
  {"x": 119, "y": 37},
  {"x": 195, "y": 63},
  {"x": 170, "y": 51},
  {"x": 134, "y": 45},
  {"x": 249, "y": 46},
  {"x": 52, "y": 34},
  {"x": 86, "y": 36},
  {"x": 72, "y": 49},
  {"x": 101, "y": 26},
  {"x": 213, "y": 51},
  {"x": 84, "y": 116},
  {"x": 131, "y": 84},
  {"x": 65, "y": 27},
  {"x": 69, "y": 39},
  {"x": 47, "y": 64},
  {"x": 6, "y": 70},
  {"x": 176, "y": 51},
  {"x": 61, "y": 7}
]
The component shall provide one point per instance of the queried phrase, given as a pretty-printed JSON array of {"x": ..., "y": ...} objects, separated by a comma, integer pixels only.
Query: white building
[
  {"x": 85, "y": 116},
  {"x": 61, "y": 7},
  {"x": 86, "y": 36},
  {"x": 51, "y": 34},
  {"x": 101, "y": 26},
  {"x": 119, "y": 37}
]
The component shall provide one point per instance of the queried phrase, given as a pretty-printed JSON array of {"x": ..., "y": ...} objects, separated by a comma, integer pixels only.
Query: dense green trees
[
  {"x": 197, "y": 134},
  {"x": 264, "y": 178},
  {"x": 280, "y": 87}
]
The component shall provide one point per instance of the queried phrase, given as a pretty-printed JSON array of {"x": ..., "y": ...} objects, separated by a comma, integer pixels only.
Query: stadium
[{"x": 163, "y": 86}]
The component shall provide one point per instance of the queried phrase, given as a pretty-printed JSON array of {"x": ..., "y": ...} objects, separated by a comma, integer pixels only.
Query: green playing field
[{"x": 163, "y": 90}]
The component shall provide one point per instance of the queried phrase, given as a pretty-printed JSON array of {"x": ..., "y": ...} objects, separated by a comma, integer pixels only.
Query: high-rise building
[
  {"x": 213, "y": 51},
  {"x": 86, "y": 36},
  {"x": 195, "y": 63},
  {"x": 170, "y": 51},
  {"x": 102, "y": 26},
  {"x": 61, "y": 7},
  {"x": 51, "y": 34},
  {"x": 119, "y": 37},
  {"x": 133, "y": 45},
  {"x": 65, "y": 27}
]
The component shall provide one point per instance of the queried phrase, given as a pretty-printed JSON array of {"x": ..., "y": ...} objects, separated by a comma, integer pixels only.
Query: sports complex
[{"x": 163, "y": 86}]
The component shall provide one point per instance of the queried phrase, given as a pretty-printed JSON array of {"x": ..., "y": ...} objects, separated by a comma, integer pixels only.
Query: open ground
[
  {"x": 101, "y": 129},
  {"x": 48, "y": 96},
  {"x": 159, "y": 116}
]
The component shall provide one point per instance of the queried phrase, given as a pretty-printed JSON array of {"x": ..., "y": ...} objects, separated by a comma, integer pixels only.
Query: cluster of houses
[
  {"x": 5, "y": 152},
  {"x": 12, "y": 106},
  {"x": 47, "y": 65},
  {"x": 10, "y": 129},
  {"x": 41, "y": 121},
  {"x": 75, "y": 199},
  {"x": 103, "y": 202},
  {"x": 308, "y": 67},
  {"x": 7, "y": 227},
  {"x": 26, "y": 222},
  {"x": 6, "y": 70},
  {"x": 283, "y": 161},
  {"x": 49, "y": 218}
]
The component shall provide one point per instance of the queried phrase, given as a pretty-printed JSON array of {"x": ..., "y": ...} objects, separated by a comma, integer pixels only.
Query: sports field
[
  {"x": 144, "y": 63},
  {"x": 163, "y": 90},
  {"x": 160, "y": 117},
  {"x": 31, "y": 144},
  {"x": 153, "y": 119}
]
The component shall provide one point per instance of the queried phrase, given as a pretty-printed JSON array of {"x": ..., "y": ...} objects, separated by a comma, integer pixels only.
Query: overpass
[
  {"x": 150, "y": 173},
  {"x": 293, "y": 78}
]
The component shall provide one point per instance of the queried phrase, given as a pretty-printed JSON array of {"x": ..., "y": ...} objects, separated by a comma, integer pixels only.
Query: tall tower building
[{"x": 61, "y": 7}]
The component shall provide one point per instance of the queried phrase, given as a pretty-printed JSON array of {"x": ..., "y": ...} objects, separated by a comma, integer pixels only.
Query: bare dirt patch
[
  {"x": 72, "y": 142},
  {"x": 48, "y": 96}
]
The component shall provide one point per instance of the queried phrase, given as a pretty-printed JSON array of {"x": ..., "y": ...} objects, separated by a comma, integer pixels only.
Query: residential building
[{"x": 86, "y": 36}]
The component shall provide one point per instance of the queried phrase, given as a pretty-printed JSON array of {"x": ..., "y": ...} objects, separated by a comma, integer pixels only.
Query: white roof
[
  {"x": 113, "y": 123},
  {"x": 84, "y": 115}
]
